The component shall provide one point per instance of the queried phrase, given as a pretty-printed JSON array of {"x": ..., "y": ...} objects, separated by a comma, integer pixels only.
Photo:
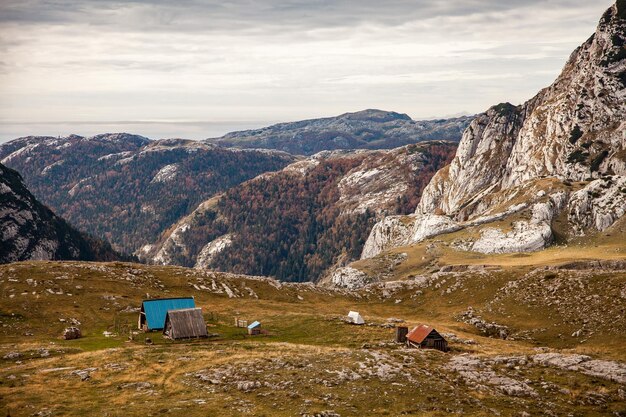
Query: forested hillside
[
  {"x": 296, "y": 224},
  {"x": 128, "y": 189}
]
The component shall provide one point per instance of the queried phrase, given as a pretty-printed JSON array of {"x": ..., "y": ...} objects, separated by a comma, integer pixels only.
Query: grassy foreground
[{"x": 310, "y": 361}]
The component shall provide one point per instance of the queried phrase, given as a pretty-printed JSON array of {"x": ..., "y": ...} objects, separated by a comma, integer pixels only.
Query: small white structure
[{"x": 355, "y": 318}]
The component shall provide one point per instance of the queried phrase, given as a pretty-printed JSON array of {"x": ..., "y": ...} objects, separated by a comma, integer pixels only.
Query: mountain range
[
  {"x": 368, "y": 129},
  {"x": 524, "y": 177},
  {"x": 128, "y": 189},
  {"x": 510, "y": 245},
  {"x": 297, "y": 223}
]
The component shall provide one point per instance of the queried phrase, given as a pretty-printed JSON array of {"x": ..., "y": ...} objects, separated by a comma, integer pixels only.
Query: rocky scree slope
[
  {"x": 31, "y": 231},
  {"x": 368, "y": 129},
  {"x": 128, "y": 189},
  {"x": 297, "y": 223},
  {"x": 573, "y": 132}
]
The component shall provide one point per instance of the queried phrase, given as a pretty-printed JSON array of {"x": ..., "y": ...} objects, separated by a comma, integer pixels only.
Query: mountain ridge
[
  {"x": 366, "y": 129},
  {"x": 297, "y": 223},
  {"x": 127, "y": 188},
  {"x": 31, "y": 231}
]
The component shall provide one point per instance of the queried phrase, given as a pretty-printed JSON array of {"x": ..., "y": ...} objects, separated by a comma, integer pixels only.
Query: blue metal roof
[
  {"x": 253, "y": 325},
  {"x": 156, "y": 309}
]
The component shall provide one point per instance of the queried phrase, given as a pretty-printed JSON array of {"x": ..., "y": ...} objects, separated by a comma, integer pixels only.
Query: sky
[{"x": 198, "y": 69}]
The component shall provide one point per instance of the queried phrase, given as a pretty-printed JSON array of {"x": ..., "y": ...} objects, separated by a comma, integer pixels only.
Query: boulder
[{"x": 71, "y": 333}]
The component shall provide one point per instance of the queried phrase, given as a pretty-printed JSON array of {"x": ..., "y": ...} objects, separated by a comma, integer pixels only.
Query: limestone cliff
[{"x": 573, "y": 131}]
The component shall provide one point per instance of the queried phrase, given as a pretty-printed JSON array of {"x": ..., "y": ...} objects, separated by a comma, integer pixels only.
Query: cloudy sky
[{"x": 191, "y": 68}]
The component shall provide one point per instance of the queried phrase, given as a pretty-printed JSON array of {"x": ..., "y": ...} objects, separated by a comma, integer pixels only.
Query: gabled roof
[
  {"x": 157, "y": 308},
  {"x": 419, "y": 333},
  {"x": 255, "y": 324},
  {"x": 185, "y": 323}
]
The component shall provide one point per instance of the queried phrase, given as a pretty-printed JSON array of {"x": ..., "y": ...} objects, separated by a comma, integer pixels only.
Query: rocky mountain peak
[
  {"x": 573, "y": 130},
  {"x": 522, "y": 160}
]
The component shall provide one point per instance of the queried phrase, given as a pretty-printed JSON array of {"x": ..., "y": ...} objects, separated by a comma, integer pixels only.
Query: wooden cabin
[
  {"x": 153, "y": 311},
  {"x": 425, "y": 337},
  {"x": 186, "y": 323}
]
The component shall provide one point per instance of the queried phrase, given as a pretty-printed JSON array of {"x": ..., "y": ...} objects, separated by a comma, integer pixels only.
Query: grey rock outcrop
[
  {"x": 574, "y": 130},
  {"x": 349, "y": 278},
  {"x": 71, "y": 333},
  {"x": 392, "y": 231},
  {"x": 613, "y": 371}
]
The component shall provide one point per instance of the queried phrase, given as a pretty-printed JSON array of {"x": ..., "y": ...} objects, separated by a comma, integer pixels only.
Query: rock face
[
  {"x": 598, "y": 205},
  {"x": 211, "y": 249},
  {"x": 31, "y": 231},
  {"x": 572, "y": 131},
  {"x": 368, "y": 129},
  {"x": 349, "y": 278},
  {"x": 392, "y": 231}
]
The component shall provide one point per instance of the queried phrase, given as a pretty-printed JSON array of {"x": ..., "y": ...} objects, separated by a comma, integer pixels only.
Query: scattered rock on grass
[{"x": 12, "y": 355}]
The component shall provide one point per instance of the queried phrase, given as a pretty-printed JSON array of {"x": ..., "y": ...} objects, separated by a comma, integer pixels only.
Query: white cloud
[{"x": 267, "y": 60}]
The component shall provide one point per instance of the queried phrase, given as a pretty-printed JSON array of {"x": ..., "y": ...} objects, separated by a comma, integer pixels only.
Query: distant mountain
[
  {"x": 128, "y": 189},
  {"x": 298, "y": 223},
  {"x": 368, "y": 129},
  {"x": 550, "y": 170},
  {"x": 31, "y": 231}
]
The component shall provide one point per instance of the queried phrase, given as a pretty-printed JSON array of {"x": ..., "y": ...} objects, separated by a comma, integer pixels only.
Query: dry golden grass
[{"x": 300, "y": 359}]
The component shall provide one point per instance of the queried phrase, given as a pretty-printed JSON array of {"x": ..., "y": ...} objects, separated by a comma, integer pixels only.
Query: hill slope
[
  {"x": 563, "y": 354},
  {"x": 297, "y": 223},
  {"x": 368, "y": 129},
  {"x": 128, "y": 189},
  {"x": 31, "y": 231},
  {"x": 549, "y": 170}
]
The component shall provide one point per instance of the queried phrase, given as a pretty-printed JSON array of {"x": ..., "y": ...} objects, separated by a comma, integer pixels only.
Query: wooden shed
[
  {"x": 153, "y": 311},
  {"x": 254, "y": 329},
  {"x": 425, "y": 337},
  {"x": 186, "y": 323},
  {"x": 401, "y": 332}
]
